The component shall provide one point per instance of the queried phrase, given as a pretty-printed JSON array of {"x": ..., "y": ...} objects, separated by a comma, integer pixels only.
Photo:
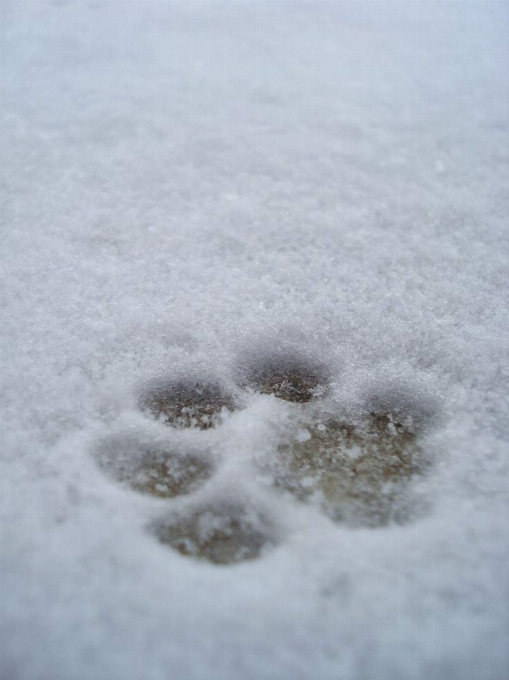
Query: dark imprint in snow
[
  {"x": 154, "y": 469},
  {"x": 222, "y": 533},
  {"x": 187, "y": 403},
  {"x": 288, "y": 378},
  {"x": 359, "y": 473}
]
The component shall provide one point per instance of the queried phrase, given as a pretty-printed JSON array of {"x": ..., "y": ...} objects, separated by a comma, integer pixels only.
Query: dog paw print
[{"x": 357, "y": 469}]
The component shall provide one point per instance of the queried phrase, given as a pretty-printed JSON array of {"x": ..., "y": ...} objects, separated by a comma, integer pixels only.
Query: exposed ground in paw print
[
  {"x": 222, "y": 533},
  {"x": 288, "y": 377},
  {"x": 359, "y": 472},
  {"x": 357, "y": 469},
  {"x": 153, "y": 468},
  {"x": 187, "y": 403}
]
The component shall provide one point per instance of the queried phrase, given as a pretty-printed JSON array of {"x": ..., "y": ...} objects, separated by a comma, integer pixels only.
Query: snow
[{"x": 195, "y": 192}]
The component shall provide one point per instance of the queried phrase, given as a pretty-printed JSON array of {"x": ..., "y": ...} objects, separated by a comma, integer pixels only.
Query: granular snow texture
[{"x": 226, "y": 225}]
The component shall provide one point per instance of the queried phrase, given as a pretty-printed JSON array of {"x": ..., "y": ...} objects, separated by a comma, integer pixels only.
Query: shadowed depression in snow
[
  {"x": 357, "y": 470},
  {"x": 187, "y": 403}
]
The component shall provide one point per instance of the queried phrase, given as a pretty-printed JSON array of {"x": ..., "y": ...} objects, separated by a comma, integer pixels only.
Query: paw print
[
  {"x": 222, "y": 532},
  {"x": 187, "y": 404},
  {"x": 357, "y": 472},
  {"x": 287, "y": 377},
  {"x": 356, "y": 467},
  {"x": 153, "y": 467}
]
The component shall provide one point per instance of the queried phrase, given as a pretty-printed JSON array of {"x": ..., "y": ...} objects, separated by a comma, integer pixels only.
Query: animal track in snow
[
  {"x": 155, "y": 468},
  {"x": 222, "y": 532},
  {"x": 187, "y": 403},
  {"x": 288, "y": 377},
  {"x": 357, "y": 469},
  {"x": 358, "y": 472}
]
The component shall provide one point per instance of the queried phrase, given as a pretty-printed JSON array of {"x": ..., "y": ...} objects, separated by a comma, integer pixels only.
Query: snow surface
[{"x": 187, "y": 188}]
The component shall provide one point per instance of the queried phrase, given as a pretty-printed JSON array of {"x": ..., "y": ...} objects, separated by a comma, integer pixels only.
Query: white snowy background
[{"x": 185, "y": 185}]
